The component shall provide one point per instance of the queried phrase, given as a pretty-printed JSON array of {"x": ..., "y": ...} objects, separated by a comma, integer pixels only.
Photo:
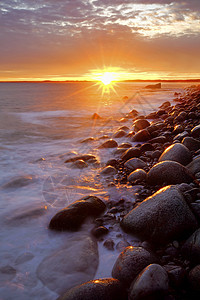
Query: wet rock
[
  {"x": 165, "y": 105},
  {"x": 194, "y": 166},
  {"x": 125, "y": 128},
  {"x": 169, "y": 172},
  {"x": 151, "y": 283},
  {"x": 109, "y": 144},
  {"x": 191, "y": 248},
  {"x": 180, "y": 136},
  {"x": 147, "y": 147},
  {"x": 141, "y": 136},
  {"x": 177, "y": 152},
  {"x": 135, "y": 163},
  {"x": 155, "y": 127},
  {"x": 131, "y": 262},
  {"x": 130, "y": 153},
  {"x": 139, "y": 175},
  {"x": 76, "y": 263},
  {"x": 99, "y": 289},
  {"x": 24, "y": 258},
  {"x": 196, "y": 131},
  {"x": 119, "y": 134},
  {"x": 109, "y": 244},
  {"x": 194, "y": 278},
  {"x": 156, "y": 154},
  {"x": 122, "y": 245},
  {"x": 178, "y": 129},
  {"x": 88, "y": 140},
  {"x": 99, "y": 231},
  {"x": 79, "y": 164},
  {"x": 162, "y": 217},
  {"x": 95, "y": 116},
  {"x": 153, "y": 86},
  {"x": 84, "y": 157},
  {"x": 109, "y": 170},
  {"x": 191, "y": 143},
  {"x": 176, "y": 275},
  {"x": 140, "y": 124},
  {"x": 7, "y": 273},
  {"x": 125, "y": 145},
  {"x": 18, "y": 182},
  {"x": 112, "y": 162},
  {"x": 71, "y": 217},
  {"x": 160, "y": 139}
]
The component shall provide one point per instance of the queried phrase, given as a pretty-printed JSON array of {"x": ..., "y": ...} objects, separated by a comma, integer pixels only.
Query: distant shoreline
[{"x": 93, "y": 81}]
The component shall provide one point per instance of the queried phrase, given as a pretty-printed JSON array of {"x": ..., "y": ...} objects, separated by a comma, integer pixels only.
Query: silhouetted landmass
[{"x": 79, "y": 81}]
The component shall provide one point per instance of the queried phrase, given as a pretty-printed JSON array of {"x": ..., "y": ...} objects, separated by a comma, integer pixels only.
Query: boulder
[
  {"x": 135, "y": 163},
  {"x": 194, "y": 166},
  {"x": 151, "y": 283},
  {"x": 95, "y": 116},
  {"x": 131, "y": 262},
  {"x": 196, "y": 131},
  {"x": 191, "y": 248},
  {"x": 141, "y": 136},
  {"x": 140, "y": 124},
  {"x": 79, "y": 164},
  {"x": 147, "y": 147},
  {"x": 139, "y": 175},
  {"x": 109, "y": 170},
  {"x": 153, "y": 86},
  {"x": 84, "y": 157},
  {"x": 99, "y": 289},
  {"x": 162, "y": 217},
  {"x": 194, "y": 278},
  {"x": 109, "y": 144},
  {"x": 119, "y": 134},
  {"x": 177, "y": 152},
  {"x": 18, "y": 182},
  {"x": 165, "y": 105},
  {"x": 76, "y": 263},
  {"x": 169, "y": 172},
  {"x": 130, "y": 153},
  {"x": 191, "y": 143},
  {"x": 159, "y": 139},
  {"x": 71, "y": 217}
]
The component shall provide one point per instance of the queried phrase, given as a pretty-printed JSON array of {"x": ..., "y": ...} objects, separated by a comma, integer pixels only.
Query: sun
[{"x": 107, "y": 78}]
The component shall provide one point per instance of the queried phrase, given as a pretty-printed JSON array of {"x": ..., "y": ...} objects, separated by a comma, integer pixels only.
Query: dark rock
[
  {"x": 191, "y": 248},
  {"x": 84, "y": 157},
  {"x": 194, "y": 278},
  {"x": 109, "y": 170},
  {"x": 140, "y": 124},
  {"x": 194, "y": 166},
  {"x": 165, "y": 105},
  {"x": 196, "y": 131},
  {"x": 99, "y": 231},
  {"x": 160, "y": 220},
  {"x": 119, "y": 134},
  {"x": 191, "y": 143},
  {"x": 112, "y": 162},
  {"x": 176, "y": 275},
  {"x": 147, "y": 147},
  {"x": 153, "y": 86},
  {"x": 139, "y": 175},
  {"x": 169, "y": 172},
  {"x": 196, "y": 209},
  {"x": 87, "y": 140},
  {"x": 122, "y": 245},
  {"x": 141, "y": 136},
  {"x": 7, "y": 273},
  {"x": 125, "y": 145},
  {"x": 79, "y": 164},
  {"x": 180, "y": 136},
  {"x": 99, "y": 289},
  {"x": 71, "y": 217},
  {"x": 135, "y": 163},
  {"x": 156, "y": 154},
  {"x": 18, "y": 182},
  {"x": 95, "y": 116},
  {"x": 131, "y": 262},
  {"x": 178, "y": 129},
  {"x": 130, "y": 153},
  {"x": 177, "y": 152},
  {"x": 151, "y": 283},
  {"x": 159, "y": 139},
  {"x": 109, "y": 244},
  {"x": 156, "y": 127},
  {"x": 109, "y": 144}
]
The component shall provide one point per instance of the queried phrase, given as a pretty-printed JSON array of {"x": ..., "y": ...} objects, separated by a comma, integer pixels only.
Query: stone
[
  {"x": 95, "y": 116},
  {"x": 79, "y": 164},
  {"x": 109, "y": 170},
  {"x": 140, "y": 124},
  {"x": 165, "y": 105},
  {"x": 99, "y": 231},
  {"x": 109, "y": 244},
  {"x": 130, "y": 153},
  {"x": 130, "y": 263},
  {"x": 147, "y": 147},
  {"x": 88, "y": 140},
  {"x": 194, "y": 166},
  {"x": 191, "y": 248},
  {"x": 135, "y": 163},
  {"x": 18, "y": 182},
  {"x": 84, "y": 157},
  {"x": 196, "y": 131},
  {"x": 71, "y": 217},
  {"x": 162, "y": 217},
  {"x": 7, "y": 273},
  {"x": 153, "y": 86},
  {"x": 178, "y": 129},
  {"x": 191, "y": 143},
  {"x": 99, "y": 289},
  {"x": 194, "y": 278},
  {"x": 125, "y": 145},
  {"x": 122, "y": 245},
  {"x": 119, "y": 134},
  {"x": 160, "y": 139},
  {"x": 151, "y": 283},
  {"x": 76, "y": 263},
  {"x": 176, "y": 275},
  {"x": 138, "y": 174},
  {"x": 141, "y": 136},
  {"x": 177, "y": 152},
  {"x": 180, "y": 136},
  {"x": 112, "y": 162},
  {"x": 169, "y": 172},
  {"x": 109, "y": 144}
]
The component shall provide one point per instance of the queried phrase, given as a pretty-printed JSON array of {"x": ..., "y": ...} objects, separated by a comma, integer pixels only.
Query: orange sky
[{"x": 75, "y": 39}]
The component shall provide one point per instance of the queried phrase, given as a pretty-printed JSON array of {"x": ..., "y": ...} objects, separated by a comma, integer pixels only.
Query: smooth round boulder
[
  {"x": 79, "y": 164},
  {"x": 191, "y": 248},
  {"x": 194, "y": 166},
  {"x": 130, "y": 153},
  {"x": 194, "y": 278},
  {"x": 140, "y": 124},
  {"x": 177, "y": 152},
  {"x": 108, "y": 171},
  {"x": 191, "y": 143},
  {"x": 141, "y": 136},
  {"x": 196, "y": 131},
  {"x": 159, "y": 139},
  {"x": 99, "y": 289},
  {"x": 109, "y": 144},
  {"x": 138, "y": 174},
  {"x": 135, "y": 163},
  {"x": 119, "y": 134},
  {"x": 71, "y": 217},
  {"x": 130, "y": 263},
  {"x": 84, "y": 157},
  {"x": 169, "y": 172},
  {"x": 151, "y": 283},
  {"x": 162, "y": 217}
]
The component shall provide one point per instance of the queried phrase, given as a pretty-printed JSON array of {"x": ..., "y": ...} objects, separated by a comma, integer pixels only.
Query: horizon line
[{"x": 126, "y": 80}]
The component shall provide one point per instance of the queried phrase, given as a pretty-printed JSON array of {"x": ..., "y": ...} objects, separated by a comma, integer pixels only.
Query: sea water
[{"x": 41, "y": 125}]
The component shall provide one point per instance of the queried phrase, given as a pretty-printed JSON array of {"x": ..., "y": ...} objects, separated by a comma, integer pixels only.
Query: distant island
[{"x": 80, "y": 81}]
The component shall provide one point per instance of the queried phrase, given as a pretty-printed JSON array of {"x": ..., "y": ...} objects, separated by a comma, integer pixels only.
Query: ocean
[{"x": 41, "y": 125}]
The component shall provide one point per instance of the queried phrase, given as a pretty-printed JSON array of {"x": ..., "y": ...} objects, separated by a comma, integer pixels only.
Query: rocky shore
[{"x": 165, "y": 163}]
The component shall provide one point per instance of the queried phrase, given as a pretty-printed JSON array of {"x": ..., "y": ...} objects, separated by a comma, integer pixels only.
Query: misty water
[{"x": 41, "y": 125}]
